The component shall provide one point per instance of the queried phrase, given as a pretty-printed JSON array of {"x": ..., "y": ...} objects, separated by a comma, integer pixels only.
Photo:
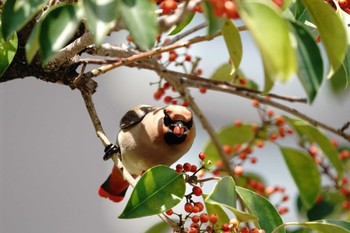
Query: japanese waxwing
[{"x": 149, "y": 136}]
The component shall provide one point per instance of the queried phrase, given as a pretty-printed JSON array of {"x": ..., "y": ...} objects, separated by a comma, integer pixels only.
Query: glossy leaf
[
  {"x": 33, "y": 45},
  {"x": 272, "y": 35},
  {"x": 57, "y": 28},
  {"x": 310, "y": 64},
  {"x": 222, "y": 73},
  {"x": 178, "y": 28},
  {"x": 332, "y": 32},
  {"x": 339, "y": 80},
  {"x": 158, "y": 190},
  {"x": 8, "y": 50},
  {"x": 223, "y": 192},
  {"x": 16, "y": 13},
  {"x": 268, "y": 82},
  {"x": 230, "y": 135},
  {"x": 325, "y": 226},
  {"x": 160, "y": 227},
  {"x": 314, "y": 135},
  {"x": 214, "y": 23},
  {"x": 305, "y": 174},
  {"x": 141, "y": 20},
  {"x": 216, "y": 209},
  {"x": 233, "y": 43},
  {"x": 101, "y": 17},
  {"x": 268, "y": 217}
]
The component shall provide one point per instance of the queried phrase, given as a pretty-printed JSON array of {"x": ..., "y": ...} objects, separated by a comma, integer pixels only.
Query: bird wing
[{"x": 135, "y": 115}]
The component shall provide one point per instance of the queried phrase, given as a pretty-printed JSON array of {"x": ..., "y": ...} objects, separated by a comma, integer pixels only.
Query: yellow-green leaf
[
  {"x": 233, "y": 43},
  {"x": 332, "y": 31},
  {"x": 8, "y": 50},
  {"x": 101, "y": 17},
  {"x": 272, "y": 35}
]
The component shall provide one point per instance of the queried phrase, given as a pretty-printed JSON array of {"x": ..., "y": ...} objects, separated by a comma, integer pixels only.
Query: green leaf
[
  {"x": 158, "y": 190},
  {"x": 271, "y": 33},
  {"x": 8, "y": 50},
  {"x": 325, "y": 226},
  {"x": 178, "y": 28},
  {"x": 141, "y": 20},
  {"x": 214, "y": 23},
  {"x": 222, "y": 73},
  {"x": 16, "y": 13},
  {"x": 268, "y": 217},
  {"x": 57, "y": 28},
  {"x": 101, "y": 17},
  {"x": 230, "y": 135},
  {"x": 223, "y": 192},
  {"x": 310, "y": 64},
  {"x": 233, "y": 43},
  {"x": 216, "y": 209},
  {"x": 33, "y": 45},
  {"x": 312, "y": 134},
  {"x": 268, "y": 82},
  {"x": 305, "y": 174},
  {"x": 332, "y": 31},
  {"x": 339, "y": 80},
  {"x": 160, "y": 227}
]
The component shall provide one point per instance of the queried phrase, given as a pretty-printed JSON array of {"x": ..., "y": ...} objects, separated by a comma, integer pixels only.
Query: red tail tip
[{"x": 104, "y": 194}]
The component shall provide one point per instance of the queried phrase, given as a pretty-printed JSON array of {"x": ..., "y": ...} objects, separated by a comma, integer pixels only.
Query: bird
[{"x": 148, "y": 136}]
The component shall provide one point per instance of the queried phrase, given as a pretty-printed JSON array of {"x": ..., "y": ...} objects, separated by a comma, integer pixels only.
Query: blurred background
[{"x": 51, "y": 160}]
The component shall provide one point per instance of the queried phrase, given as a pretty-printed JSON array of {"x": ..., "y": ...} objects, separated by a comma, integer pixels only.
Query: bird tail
[{"x": 114, "y": 188}]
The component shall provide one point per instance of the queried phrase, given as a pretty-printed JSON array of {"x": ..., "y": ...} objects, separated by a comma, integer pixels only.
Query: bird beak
[{"x": 178, "y": 128}]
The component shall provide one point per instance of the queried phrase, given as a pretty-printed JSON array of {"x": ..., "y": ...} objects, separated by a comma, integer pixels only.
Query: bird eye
[{"x": 167, "y": 120}]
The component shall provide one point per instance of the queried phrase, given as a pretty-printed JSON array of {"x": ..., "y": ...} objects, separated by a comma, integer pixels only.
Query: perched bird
[{"x": 149, "y": 136}]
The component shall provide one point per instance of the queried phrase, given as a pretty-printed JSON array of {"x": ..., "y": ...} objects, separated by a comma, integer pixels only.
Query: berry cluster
[
  {"x": 344, "y": 5},
  {"x": 161, "y": 92},
  {"x": 225, "y": 8}
]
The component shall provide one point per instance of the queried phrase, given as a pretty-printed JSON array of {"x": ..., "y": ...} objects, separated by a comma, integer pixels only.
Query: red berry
[
  {"x": 166, "y": 85},
  {"x": 174, "y": 101},
  {"x": 313, "y": 150},
  {"x": 225, "y": 227},
  {"x": 202, "y": 90},
  {"x": 172, "y": 57},
  {"x": 193, "y": 168},
  {"x": 279, "y": 3},
  {"x": 188, "y": 207},
  {"x": 282, "y": 210},
  {"x": 346, "y": 205},
  {"x": 169, "y": 212},
  {"x": 168, "y": 99},
  {"x": 270, "y": 112},
  {"x": 255, "y": 103},
  {"x": 195, "y": 218},
  {"x": 227, "y": 149},
  {"x": 254, "y": 230},
  {"x": 214, "y": 218},
  {"x": 187, "y": 167},
  {"x": 238, "y": 170},
  {"x": 195, "y": 209},
  {"x": 285, "y": 198},
  {"x": 204, "y": 217},
  {"x": 197, "y": 190},
  {"x": 343, "y": 3},
  {"x": 192, "y": 230},
  {"x": 243, "y": 81},
  {"x": 253, "y": 160},
  {"x": 168, "y": 6},
  {"x": 260, "y": 143},
  {"x": 238, "y": 123},
  {"x": 158, "y": 94},
  {"x": 199, "y": 71},
  {"x": 199, "y": 205},
  {"x": 231, "y": 10},
  {"x": 202, "y": 156},
  {"x": 244, "y": 230},
  {"x": 179, "y": 168},
  {"x": 188, "y": 57}
]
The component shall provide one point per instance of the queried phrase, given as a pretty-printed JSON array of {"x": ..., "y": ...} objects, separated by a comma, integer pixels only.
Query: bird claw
[{"x": 110, "y": 150}]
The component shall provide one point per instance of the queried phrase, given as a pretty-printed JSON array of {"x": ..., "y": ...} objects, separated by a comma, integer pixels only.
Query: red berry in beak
[{"x": 178, "y": 130}]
